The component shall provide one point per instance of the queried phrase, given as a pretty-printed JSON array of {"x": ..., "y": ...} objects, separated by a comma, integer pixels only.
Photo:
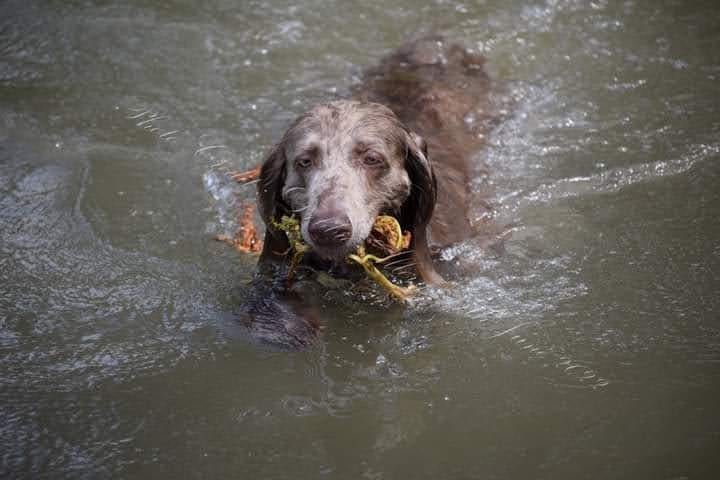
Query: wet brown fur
[
  {"x": 436, "y": 95},
  {"x": 439, "y": 91},
  {"x": 430, "y": 99}
]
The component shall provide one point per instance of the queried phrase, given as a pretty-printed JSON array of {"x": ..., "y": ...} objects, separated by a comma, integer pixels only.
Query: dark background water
[{"x": 588, "y": 348}]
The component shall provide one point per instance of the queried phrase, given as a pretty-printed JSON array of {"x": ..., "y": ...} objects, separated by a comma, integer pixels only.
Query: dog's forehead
[{"x": 344, "y": 124}]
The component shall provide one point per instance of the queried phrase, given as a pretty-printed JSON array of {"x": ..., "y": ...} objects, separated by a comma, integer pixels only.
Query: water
[{"x": 587, "y": 347}]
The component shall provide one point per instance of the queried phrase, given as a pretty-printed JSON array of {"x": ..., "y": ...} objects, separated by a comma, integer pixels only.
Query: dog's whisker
[
  {"x": 292, "y": 189},
  {"x": 298, "y": 210},
  {"x": 324, "y": 221},
  {"x": 400, "y": 261},
  {"x": 404, "y": 267},
  {"x": 399, "y": 257},
  {"x": 336, "y": 227}
]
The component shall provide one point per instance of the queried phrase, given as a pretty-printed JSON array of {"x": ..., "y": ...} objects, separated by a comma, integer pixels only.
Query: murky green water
[{"x": 588, "y": 348}]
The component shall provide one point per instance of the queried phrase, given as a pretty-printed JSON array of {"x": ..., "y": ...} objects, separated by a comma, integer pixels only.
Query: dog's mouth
[{"x": 335, "y": 254}]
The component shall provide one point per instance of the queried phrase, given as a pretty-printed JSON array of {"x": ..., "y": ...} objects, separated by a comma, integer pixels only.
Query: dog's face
[
  {"x": 344, "y": 165},
  {"x": 341, "y": 165}
]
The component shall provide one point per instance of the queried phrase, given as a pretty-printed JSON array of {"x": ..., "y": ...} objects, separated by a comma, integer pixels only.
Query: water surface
[{"x": 587, "y": 347}]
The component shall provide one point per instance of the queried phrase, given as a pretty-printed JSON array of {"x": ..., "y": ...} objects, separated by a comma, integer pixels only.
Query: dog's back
[{"x": 440, "y": 91}]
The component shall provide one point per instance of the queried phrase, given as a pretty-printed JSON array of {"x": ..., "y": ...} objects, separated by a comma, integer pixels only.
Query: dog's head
[{"x": 341, "y": 165}]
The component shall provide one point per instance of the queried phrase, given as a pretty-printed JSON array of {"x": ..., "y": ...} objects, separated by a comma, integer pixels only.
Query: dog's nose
[{"x": 330, "y": 230}]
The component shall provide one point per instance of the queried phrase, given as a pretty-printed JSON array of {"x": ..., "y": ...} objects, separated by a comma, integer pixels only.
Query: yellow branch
[
  {"x": 291, "y": 227},
  {"x": 367, "y": 263}
]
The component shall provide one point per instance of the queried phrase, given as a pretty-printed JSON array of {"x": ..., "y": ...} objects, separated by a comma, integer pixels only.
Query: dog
[{"x": 400, "y": 146}]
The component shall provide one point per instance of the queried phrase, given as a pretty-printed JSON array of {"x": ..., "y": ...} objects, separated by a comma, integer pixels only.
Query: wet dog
[{"x": 401, "y": 146}]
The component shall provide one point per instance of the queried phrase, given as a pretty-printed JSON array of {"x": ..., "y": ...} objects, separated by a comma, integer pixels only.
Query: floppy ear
[
  {"x": 417, "y": 210},
  {"x": 270, "y": 203}
]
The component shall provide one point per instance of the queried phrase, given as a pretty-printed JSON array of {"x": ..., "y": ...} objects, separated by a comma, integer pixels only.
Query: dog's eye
[
  {"x": 303, "y": 162},
  {"x": 373, "y": 160}
]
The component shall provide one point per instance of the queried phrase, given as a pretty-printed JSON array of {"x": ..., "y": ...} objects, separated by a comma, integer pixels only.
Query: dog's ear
[
  {"x": 270, "y": 203},
  {"x": 272, "y": 177},
  {"x": 419, "y": 206},
  {"x": 417, "y": 210}
]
